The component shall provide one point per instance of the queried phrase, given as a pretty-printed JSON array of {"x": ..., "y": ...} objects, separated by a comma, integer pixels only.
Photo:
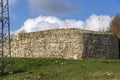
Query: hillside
[{"x": 60, "y": 69}]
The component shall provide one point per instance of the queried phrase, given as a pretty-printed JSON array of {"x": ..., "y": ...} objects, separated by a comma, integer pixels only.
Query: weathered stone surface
[
  {"x": 101, "y": 46},
  {"x": 65, "y": 43}
]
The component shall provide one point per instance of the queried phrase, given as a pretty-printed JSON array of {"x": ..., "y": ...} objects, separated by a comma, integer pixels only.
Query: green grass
[{"x": 60, "y": 69}]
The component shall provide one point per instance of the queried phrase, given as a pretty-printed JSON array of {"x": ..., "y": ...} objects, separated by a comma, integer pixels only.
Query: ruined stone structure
[{"x": 66, "y": 43}]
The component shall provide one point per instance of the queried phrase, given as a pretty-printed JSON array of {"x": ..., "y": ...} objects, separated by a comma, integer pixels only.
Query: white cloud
[
  {"x": 98, "y": 23},
  {"x": 55, "y": 7},
  {"x": 40, "y": 23},
  {"x": 12, "y": 2}
]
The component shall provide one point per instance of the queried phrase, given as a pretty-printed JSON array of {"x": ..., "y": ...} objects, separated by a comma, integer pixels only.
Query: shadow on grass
[
  {"x": 19, "y": 71},
  {"x": 14, "y": 72}
]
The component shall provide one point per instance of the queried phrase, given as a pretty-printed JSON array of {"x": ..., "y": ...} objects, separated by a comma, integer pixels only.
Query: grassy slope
[{"x": 59, "y": 69}]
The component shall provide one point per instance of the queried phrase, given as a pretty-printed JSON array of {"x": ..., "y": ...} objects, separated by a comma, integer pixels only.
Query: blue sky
[{"x": 70, "y": 11}]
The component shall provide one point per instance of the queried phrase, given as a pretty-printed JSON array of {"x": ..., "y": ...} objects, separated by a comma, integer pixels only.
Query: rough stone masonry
[{"x": 66, "y": 43}]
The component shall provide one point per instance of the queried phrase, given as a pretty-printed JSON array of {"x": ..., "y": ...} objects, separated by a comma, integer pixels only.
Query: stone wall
[
  {"x": 65, "y": 43},
  {"x": 101, "y": 46}
]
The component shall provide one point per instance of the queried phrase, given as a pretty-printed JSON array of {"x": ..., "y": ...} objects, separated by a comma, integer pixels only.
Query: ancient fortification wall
[
  {"x": 100, "y": 46},
  {"x": 65, "y": 43}
]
